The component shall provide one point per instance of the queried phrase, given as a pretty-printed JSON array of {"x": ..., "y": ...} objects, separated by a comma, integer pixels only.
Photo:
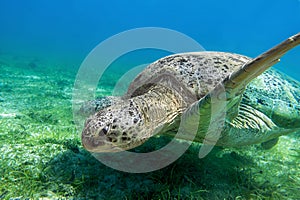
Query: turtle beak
[{"x": 98, "y": 143}]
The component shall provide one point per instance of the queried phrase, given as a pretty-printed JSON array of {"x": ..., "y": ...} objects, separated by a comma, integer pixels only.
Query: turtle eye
[{"x": 105, "y": 130}]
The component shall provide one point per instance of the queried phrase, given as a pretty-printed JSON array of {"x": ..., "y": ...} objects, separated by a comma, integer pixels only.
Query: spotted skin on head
[{"x": 128, "y": 124}]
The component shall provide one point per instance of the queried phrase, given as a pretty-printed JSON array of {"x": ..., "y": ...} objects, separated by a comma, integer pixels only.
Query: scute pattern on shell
[{"x": 199, "y": 72}]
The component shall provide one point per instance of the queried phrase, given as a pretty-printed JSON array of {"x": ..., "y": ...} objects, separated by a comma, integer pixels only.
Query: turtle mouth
[{"x": 99, "y": 144}]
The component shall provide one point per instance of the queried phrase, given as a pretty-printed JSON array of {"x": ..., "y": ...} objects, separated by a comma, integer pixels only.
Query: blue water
[{"x": 66, "y": 30}]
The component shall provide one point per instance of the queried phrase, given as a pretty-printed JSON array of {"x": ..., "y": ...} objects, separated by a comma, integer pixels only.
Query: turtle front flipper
[
  {"x": 236, "y": 82},
  {"x": 219, "y": 109},
  {"x": 234, "y": 85}
]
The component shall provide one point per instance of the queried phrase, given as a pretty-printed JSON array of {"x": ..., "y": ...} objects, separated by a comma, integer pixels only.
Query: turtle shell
[{"x": 192, "y": 75}]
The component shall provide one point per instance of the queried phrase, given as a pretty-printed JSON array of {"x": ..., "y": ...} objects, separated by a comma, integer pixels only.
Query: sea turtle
[{"x": 261, "y": 104}]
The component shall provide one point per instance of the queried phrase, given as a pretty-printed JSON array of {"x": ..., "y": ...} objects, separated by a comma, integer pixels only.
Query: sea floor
[{"x": 42, "y": 156}]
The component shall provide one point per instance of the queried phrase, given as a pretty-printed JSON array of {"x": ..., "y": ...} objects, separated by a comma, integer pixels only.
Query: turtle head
[{"x": 115, "y": 128}]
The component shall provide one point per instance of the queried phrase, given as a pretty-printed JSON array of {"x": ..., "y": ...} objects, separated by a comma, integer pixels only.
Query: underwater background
[{"x": 42, "y": 45}]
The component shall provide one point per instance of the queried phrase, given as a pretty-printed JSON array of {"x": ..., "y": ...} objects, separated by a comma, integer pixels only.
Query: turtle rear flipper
[{"x": 269, "y": 144}]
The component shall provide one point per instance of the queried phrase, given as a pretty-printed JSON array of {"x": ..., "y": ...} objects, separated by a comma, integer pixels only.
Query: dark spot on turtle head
[
  {"x": 109, "y": 139},
  {"x": 125, "y": 138},
  {"x": 112, "y": 139},
  {"x": 131, "y": 113}
]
